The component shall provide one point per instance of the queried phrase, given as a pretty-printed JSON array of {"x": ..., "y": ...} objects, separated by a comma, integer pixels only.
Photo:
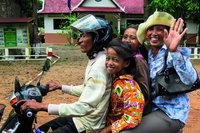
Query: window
[
  {"x": 100, "y": 16},
  {"x": 129, "y": 22},
  {"x": 59, "y": 23}
]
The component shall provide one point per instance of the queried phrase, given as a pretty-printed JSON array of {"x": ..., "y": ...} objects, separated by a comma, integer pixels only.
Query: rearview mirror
[{"x": 17, "y": 84}]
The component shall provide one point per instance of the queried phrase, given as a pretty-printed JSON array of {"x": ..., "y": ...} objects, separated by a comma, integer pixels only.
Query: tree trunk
[
  {"x": 198, "y": 35},
  {"x": 9, "y": 8},
  {"x": 35, "y": 23}
]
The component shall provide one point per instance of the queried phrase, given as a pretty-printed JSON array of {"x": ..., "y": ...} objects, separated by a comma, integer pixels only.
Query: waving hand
[{"x": 175, "y": 35}]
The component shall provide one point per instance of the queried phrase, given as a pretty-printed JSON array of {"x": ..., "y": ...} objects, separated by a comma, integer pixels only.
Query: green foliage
[
  {"x": 178, "y": 8},
  {"x": 65, "y": 26},
  {"x": 40, "y": 20},
  {"x": 70, "y": 18},
  {"x": 186, "y": 9},
  {"x": 27, "y": 10},
  {"x": 39, "y": 3},
  {"x": 26, "y": 7},
  {"x": 117, "y": 33}
]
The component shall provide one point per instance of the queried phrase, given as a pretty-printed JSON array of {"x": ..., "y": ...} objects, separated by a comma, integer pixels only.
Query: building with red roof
[{"x": 121, "y": 12}]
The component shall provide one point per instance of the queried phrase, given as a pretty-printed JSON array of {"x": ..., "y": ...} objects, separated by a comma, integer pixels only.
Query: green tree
[
  {"x": 27, "y": 6},
  {"x": 40, "y": 16},
  {"x": 186, "y": 9},
  {"x": 65, "y": 26},
  {"x": 29, "y": 9}
]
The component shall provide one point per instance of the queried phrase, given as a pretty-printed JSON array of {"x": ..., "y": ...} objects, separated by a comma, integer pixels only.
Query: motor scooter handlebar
[
  {"x": 29, "y": 113},
  {"x": 44, "y": 89},
  {"x": 28, "y": 92}
]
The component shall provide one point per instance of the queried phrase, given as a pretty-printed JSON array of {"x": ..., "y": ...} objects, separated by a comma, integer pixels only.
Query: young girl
[
  {"x": 127, "y": 101},
  {"x": 142, "y": 69},
  {"x": 129, "y": 36}
]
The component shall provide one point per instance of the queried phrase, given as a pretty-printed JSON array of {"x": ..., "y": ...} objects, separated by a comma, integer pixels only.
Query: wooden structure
[
  {"x": 15, "y": 36},
  {"x": 39, "y": 54}
]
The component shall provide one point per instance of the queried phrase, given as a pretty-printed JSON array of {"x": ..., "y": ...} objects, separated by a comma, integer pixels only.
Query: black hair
[
  {"x": 124, "y": 51},
  {"x": 133, "y": 26},
  {"x": 143, "y": 51},
  {"x": 141, "y": 48}
]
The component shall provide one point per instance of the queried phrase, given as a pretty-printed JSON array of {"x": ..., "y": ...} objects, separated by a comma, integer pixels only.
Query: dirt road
[{"x": 69, "y": 70}]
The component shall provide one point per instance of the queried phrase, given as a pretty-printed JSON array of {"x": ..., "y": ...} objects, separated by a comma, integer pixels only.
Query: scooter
[
  {"x": 2, "y": 107},
  {"x": 17, "y": 121}
]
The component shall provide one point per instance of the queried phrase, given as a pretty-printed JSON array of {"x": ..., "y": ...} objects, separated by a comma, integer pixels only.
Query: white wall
[
  {"x": 48, "y": 24},
  {"x": 109, "y": 16},
  {"x": 102, "y": 3}
]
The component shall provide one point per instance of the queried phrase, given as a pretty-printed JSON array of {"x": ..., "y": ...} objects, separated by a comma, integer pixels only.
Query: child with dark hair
[
  {"x": 142, "y": 70},
  {"x": 129, "y": 36},
  {"x": 127, "y": 101}
]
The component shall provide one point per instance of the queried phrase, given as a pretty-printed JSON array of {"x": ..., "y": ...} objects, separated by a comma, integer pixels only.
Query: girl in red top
[{"x": 127, "y": 101}]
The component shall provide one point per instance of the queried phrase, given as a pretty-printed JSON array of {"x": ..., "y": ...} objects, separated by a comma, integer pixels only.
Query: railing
[
  {"x": 195, "y": 53},
  {"x": 40, "y": 53},
  {"x": 24, "y": 53}
]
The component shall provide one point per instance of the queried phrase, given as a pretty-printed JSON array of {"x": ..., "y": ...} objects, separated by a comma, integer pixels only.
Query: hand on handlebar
[
  {"x": 32, "y": 105},
  {"x": 54, "y": 86}
]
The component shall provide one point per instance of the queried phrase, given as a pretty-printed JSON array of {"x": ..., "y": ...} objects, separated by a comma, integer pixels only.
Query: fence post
[
  {"x": 50, "y": 53},
  {"x": 6, "y": 53},
  {"x": 27, "y": 53},
  {"x": 195, "y": 53}
]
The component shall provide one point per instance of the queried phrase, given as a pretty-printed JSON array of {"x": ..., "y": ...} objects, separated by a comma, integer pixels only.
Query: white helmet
[{"x": 101, "y": 29}]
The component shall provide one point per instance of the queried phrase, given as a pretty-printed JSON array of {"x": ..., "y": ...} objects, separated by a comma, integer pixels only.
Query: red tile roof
[
  {"x": 15, "y": 20},
  {"x": 132, "y": 6},
  {"x": 129, "y": 6},
  {"x": 94, "y": 9}
]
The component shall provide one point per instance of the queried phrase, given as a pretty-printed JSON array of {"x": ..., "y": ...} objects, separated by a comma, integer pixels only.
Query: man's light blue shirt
[{"x": 176, "y": 107}]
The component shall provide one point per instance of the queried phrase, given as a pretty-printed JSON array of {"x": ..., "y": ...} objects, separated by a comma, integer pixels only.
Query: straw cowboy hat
[{"x": 157, "y": 18}]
